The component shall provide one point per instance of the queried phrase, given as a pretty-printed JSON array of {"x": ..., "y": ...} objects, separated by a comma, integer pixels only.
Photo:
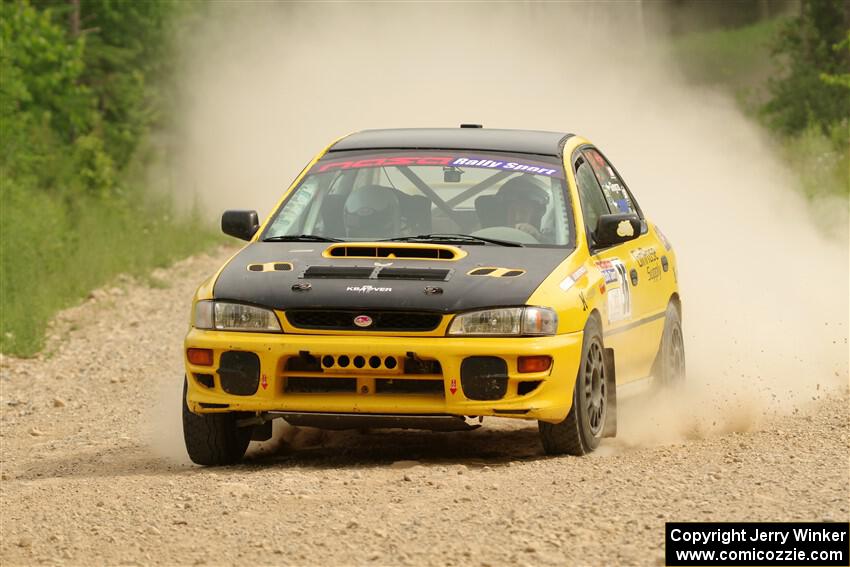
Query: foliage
[
  {"x": 75, "y": 112},
  {"x": 840, "y": 79},
  {"x": 729, "y": 57},
  {"x": 816, "y": 51}
]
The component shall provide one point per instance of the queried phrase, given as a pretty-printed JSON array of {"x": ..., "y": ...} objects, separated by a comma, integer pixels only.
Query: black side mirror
[
  {"x": 616, "y": 229},
  {"x": 241, "y": 224}
]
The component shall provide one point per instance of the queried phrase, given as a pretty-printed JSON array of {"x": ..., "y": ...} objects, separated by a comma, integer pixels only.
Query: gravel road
[{"x": 93, "y": 470}]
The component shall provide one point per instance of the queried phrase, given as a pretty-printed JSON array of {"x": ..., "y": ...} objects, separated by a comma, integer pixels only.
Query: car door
[{"x": 631, "y": 305}]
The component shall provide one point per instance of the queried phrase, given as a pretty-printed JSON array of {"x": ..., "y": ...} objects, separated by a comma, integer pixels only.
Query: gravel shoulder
[{"x": 93, "y": 470}]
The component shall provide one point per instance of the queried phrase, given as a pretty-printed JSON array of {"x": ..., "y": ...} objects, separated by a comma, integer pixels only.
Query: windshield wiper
[
  {"x": 300, "y": 238},
  {"x": 451, "y": 238}
]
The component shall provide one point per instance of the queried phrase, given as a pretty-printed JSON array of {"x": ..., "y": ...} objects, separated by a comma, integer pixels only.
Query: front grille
[
  {"x": 428, "y": 387},
  {"x": 381, "y": 320},
  {"x": 311, "y": 385}
]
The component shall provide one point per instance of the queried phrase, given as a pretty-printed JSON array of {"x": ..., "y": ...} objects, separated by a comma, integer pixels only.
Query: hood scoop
[
  {"x": 376, "y": 273},
  {"x": 409, "y": 251}
]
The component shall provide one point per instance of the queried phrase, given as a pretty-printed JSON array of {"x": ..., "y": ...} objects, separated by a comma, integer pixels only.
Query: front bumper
[{"x": 545, "y": 395}]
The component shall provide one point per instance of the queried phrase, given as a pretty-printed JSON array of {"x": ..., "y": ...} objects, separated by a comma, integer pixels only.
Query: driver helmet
[
  {"x": 372, "y": 211},
  {"x": 524, "y": 191}
]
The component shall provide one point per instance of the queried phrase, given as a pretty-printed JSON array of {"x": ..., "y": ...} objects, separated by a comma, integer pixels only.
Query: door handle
[{"x": 634, "y": 276}]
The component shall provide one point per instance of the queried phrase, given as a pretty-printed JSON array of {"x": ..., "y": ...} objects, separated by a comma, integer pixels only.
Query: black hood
[{"x": 288, "y": 275}]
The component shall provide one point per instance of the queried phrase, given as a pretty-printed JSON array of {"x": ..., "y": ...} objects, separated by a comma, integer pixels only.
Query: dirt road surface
[{"x": 93, "y": 471}]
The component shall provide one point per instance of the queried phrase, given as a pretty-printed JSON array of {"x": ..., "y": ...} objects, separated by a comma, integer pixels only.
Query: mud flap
[
  {"x": 262, "y": 432},
  {"x": 610, "y": 427}
]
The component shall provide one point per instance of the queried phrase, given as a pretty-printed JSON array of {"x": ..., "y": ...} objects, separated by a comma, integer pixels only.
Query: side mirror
[
  {"x": 616, "y": 229},
  {"x": 241, "y": 224}
]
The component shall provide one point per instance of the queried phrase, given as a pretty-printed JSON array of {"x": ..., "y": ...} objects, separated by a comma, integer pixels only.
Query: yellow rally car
[{"x": 424, "y": 278}]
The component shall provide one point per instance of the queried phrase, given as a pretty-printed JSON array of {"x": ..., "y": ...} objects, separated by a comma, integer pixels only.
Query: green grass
[
  {"x": 737, "y": 59},
  {"x": 54, "y": 251},
  {"x": 822, "y": 167}
]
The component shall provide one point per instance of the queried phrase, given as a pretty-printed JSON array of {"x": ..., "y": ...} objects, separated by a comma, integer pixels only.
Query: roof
[{"x": 517, "y": 141}]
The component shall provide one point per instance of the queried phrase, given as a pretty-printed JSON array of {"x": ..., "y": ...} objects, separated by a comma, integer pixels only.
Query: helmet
[
  {"x": 525, "y": 189},
  {"x": 372, "y": 211}
]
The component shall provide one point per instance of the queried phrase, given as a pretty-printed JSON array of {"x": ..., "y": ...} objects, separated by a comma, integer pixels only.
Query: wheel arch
[
  {"x": 594, "y": 314},
  {"x": 610, "y": 427},
  {"x": 676, "y": 300}
]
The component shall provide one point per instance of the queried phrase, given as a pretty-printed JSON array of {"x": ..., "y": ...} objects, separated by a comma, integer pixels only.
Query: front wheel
[
  {"x": 215, "y": 438},
  {"x": 583, "y": 427}
]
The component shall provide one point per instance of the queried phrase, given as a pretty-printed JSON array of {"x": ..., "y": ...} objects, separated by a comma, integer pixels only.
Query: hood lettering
[{"x": 367, "y": 289}]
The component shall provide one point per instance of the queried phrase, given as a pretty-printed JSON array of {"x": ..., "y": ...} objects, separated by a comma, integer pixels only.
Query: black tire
[
  {"x": 581, "y": 430},
  {"x": 214, "y": 439},
  {"x": 670, "y": 369}
]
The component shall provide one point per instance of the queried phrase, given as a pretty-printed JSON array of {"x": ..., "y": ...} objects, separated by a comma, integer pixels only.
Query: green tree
[
  {"x": 127, "y": 55},
  {"x": 810, "y": 45}
]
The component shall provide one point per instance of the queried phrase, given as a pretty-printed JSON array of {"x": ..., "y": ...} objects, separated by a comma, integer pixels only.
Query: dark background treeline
[{"x": 88, "y": 86}]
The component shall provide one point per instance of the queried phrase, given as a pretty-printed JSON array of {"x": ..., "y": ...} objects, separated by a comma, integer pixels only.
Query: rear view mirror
[
  {"x": 241, "y": 224},
  {"x": 452, "y": 174},
  {"x": 616, "y": 229}
]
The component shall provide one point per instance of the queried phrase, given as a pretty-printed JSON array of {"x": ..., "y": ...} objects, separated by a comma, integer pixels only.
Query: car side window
[
  {"x": 613, "y": 188},
  {"x": 593, "y": 203}
]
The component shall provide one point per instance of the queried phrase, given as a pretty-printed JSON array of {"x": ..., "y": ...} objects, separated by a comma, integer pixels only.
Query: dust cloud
[{"x": 765, "y": 290}]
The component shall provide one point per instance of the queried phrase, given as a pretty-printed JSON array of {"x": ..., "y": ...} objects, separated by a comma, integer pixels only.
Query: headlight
[
  {"x": 223, "y": 316},
  {"x": 507, "y": 321}
]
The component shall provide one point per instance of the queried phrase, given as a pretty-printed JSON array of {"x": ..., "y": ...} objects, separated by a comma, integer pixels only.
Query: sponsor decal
[
  {"x": 363, "y": 321},
  {"x": 648, "y": 258},
  {"x": 625, "y": 228},
  {"x": 644, "y": 256},
  {"x": 264, "y": 382},
  {"x": 368, "y": 289},
  {"x": 537, "y": 169},
  {"x": 384, "y": 161},
  {"x": 616, "y": 288},
  {"x": 612, "y": 187},
  {"x": 609, "y": 271},
  {"x": 453, "y": 386},
  {"x": 571, "y": 279}
]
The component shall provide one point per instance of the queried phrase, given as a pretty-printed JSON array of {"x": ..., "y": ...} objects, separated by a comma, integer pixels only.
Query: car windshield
[{"x": 471, "y": 197}]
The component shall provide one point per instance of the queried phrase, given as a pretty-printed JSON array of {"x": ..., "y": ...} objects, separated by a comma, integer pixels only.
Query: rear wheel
[
  {"x": 670, "y": 370},
  {"x": 215, "y": 438},
  {"x": 582, "y": 429}
]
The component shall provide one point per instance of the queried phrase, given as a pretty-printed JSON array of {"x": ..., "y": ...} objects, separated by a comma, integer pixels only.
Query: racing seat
[
  {"x": 416, "y": 209},
  {"x": 491, "y": 211},
  {"x": 332, "y": 217}
]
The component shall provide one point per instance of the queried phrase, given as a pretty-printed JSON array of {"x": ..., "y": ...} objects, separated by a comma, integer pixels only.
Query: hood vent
[
  {"x": 395, "y": 250},
  {"x": 338, "y": 272},
  {"x": 421, "y": 274},
  {"x": 379, "y": 273}
]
